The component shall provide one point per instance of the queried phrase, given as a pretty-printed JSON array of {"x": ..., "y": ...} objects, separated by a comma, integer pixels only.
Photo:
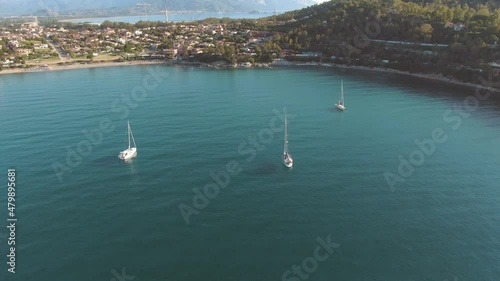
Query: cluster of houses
[
  {"x": 18, "y": 43},
  {"x": 171, "y": 41}
]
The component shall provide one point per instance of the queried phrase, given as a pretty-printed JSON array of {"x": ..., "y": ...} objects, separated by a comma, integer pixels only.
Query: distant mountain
[{"x": 8, "y": 7}]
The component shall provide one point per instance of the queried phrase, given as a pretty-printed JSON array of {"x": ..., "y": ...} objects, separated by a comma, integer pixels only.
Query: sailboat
[
  {"x": 287, "y": 157},
  {"x": 341, "y": 104},
  {"x": 131, "y": 151}
]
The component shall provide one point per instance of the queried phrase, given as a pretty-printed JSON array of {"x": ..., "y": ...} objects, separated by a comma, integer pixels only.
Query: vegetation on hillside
[{"x": 353, "y": 32}]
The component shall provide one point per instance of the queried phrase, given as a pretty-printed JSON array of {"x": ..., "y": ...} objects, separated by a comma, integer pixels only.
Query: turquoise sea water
[{"x": 106, "y": 216}]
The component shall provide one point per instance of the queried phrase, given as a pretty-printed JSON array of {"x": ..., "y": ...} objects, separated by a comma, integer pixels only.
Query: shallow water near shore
[{"x": 107, "y": 216}]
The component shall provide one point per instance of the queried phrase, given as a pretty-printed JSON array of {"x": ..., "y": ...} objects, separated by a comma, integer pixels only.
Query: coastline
[
  {"x": 433, "y": 77},
  {"x": 161, "y": 13},
  {"x": 278, "y": 63},
  {"x": 56, "y": 67},
  {"x": 87, "y": 19},
  {"x": 424, "y": 76}
]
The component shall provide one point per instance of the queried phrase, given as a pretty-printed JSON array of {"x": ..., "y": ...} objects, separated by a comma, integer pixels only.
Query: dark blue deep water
[{"x": 103, "y": 217}]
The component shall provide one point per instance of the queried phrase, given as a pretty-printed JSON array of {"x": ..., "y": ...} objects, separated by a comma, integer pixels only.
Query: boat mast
[
  {"x": 132, "y": 135},
  {"x": 342, "y": 92},
  {"x": 166, "y": 12},
  {"x": 286, "y": 133},
  {"x": 128, "y": 133}
]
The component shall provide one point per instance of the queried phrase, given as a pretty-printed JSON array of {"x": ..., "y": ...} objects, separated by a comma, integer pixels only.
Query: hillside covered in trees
[{"x": 453, "y": 37}]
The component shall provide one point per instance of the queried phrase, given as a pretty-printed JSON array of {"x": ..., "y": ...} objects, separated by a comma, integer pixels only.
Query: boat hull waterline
[
  {"x": 128, "y": 154},
  {"x": 340, "y": 107},
  {"x": 287, "y": 160}
]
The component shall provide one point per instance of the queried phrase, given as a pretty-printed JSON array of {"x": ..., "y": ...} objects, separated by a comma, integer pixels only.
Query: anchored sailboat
[
  {"x": 131, "y": 152},
  {"x": 287, "y": 157},
  {"x": 341, "y": 104}
]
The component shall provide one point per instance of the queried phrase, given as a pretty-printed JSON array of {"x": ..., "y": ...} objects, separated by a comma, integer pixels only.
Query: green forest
[{"x": 452, "y": 37}]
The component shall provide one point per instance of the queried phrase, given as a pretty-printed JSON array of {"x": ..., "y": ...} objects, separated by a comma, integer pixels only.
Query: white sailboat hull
[
  {"x": 340, "y": 107},
  {"x": 128, "y": 153},
  {"x": 131, "y": 152},
  {"x": 287, "y": 160}
]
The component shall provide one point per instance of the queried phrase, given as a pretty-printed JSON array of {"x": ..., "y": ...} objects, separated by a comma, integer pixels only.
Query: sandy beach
[
  {"x": 280, "y": 63},
  {"x": 57, "y": 67}
]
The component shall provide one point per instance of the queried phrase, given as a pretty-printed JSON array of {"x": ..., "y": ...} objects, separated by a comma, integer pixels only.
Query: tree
[
  {"x": 139, "y": 48},
  {"x": 127, "y": 48},
  {"x": 230, "y": 54},
  {"x": 54, "y": 38},
  {"x": 493, "y": 39},
  {"x": 426, "y": 31}
]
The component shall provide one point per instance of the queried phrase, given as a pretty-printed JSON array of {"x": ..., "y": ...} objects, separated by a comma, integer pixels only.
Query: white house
[{"x": 41, "y": 46}]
